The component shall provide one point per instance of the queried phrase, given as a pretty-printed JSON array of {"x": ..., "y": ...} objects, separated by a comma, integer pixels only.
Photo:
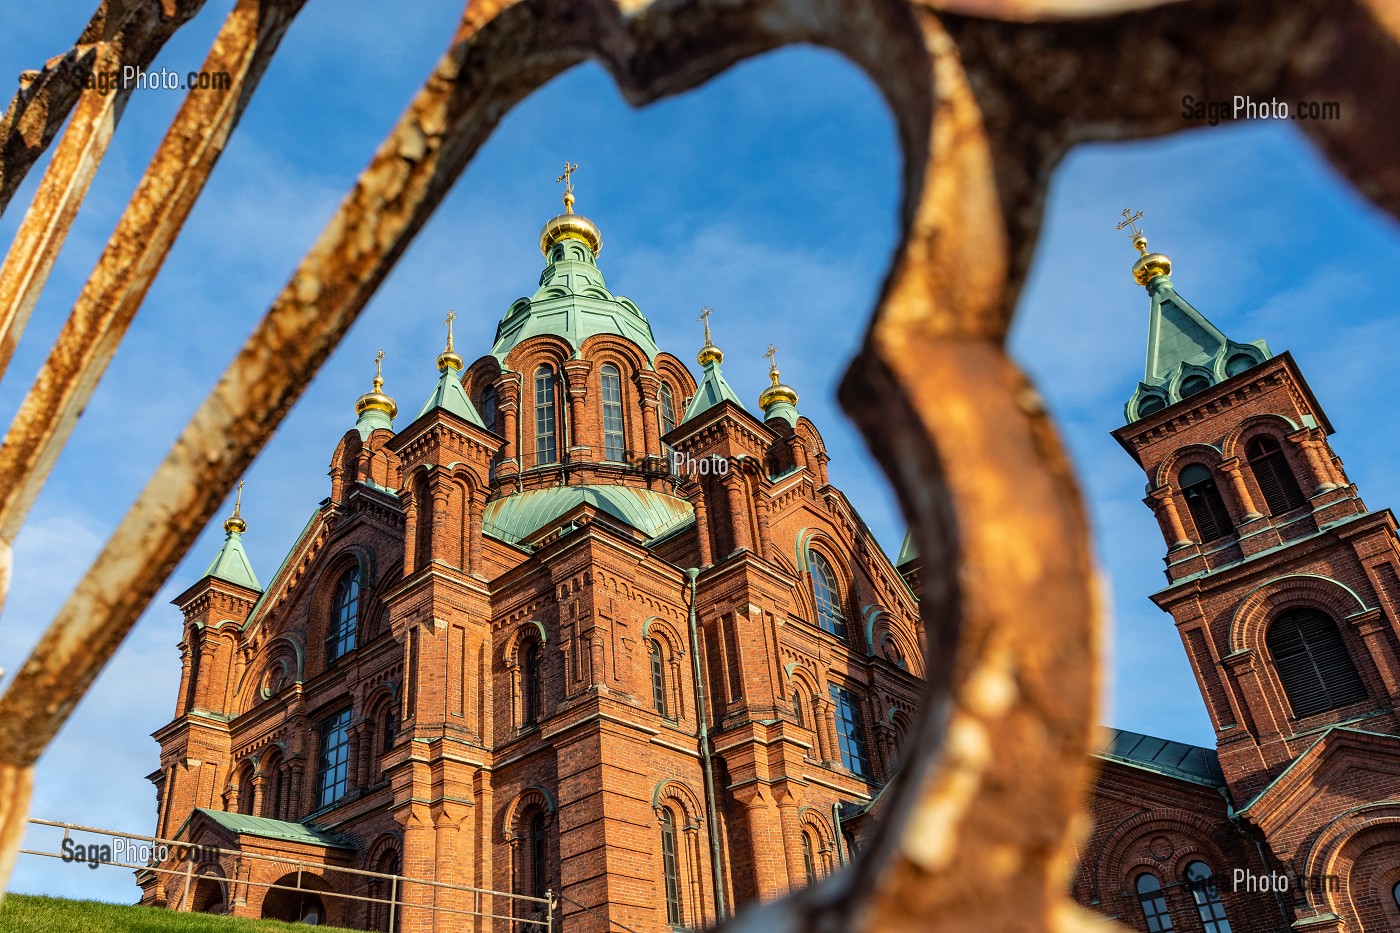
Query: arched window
[
  {"x": 345, "y": 615},
  {"x": 1203, "y": 499},
  {"x": 828, "y": 596},
  {"x": 850, "y": 731},
  {"x": 668, "y": 409},
  {"x": 1154, "y": 904},
  {"x": 658, "y": 676},
  {"x": 539, "y": 855},
  {"x": 333, "y": 765},
  {"x": 670, "y": 869},
  {"x": 388, "y": 729},
  {"x": 488, "y": 407},
  {"x": 530, "y": 683},
  {"x": 1193, "y": 384},
  {"x": 1274, "y": 475},
  {"x": 1202, "y": 884},
  {"x": 1395, "y": 893},
  {"x": 1312, "y": 662},
  {"x": 546, "y": 448},
  {"x": 809, "y": 858},
  {"x": 797, "y": 706},
  {"x": 614, "y": 440}
]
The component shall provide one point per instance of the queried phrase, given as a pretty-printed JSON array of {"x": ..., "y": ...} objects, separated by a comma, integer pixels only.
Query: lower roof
[
  {"x": 1175, "y": 759},
  {"x": 514, "y": 518}
]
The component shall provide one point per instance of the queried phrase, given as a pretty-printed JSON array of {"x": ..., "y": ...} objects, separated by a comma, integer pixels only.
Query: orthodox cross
[
  {"x": 238, "y": 499},
  {"x": 378, "y": 375},
  {"x": 569, "y": 169},
  {"x": 451, "y": 316},
  {"x": 771, "y": 354},
  {"x": 705, "y": 313},
  {"x": 1130, "y": 222}
]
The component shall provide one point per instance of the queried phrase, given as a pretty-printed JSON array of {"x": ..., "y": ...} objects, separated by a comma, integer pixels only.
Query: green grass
[{"x": 24, "y": 913}]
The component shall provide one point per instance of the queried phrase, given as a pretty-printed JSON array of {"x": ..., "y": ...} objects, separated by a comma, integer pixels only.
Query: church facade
[
  {"x": 582, "y": 627},
  {"x": 1285, "y": 589}
]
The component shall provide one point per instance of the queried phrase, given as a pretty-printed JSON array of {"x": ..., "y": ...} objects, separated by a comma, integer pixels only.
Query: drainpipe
[
  {"x": 711, "y": 812},
  {"x": 520, "y": 432}
]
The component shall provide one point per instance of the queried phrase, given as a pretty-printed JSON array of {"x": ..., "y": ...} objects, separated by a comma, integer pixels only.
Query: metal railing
[{"x": 539, "y": 918}]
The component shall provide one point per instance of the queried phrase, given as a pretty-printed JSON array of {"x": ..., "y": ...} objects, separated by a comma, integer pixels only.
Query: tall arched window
[
  {"x": 333, "y": 764},
  {"x": 1202, "y": 884},
  {"x": 614, "y": 438},
  {"x": 1274, "y": 475},
  {"x": 850, "y": 731},
  {"x": 345, "y": 615},
  {"x": 1203, "y": 499},
  {"x": 809, "y": 857},
  {"x": 828, "y": 595},
  {"x": 670, "y": 869},
  {"x": 488, "y": 407},
  {"x": 539, "y": 855},
  {"x": 1312, "y": 662},
  {"x": 668, "y": 409},
  {"x": 1154, "y": 904},
  {"x": 530, "y": 683},
  {"x": 546, "y": 446},
  {"x": 658, "y": 676},
  {"x": 797, "y": 706}
]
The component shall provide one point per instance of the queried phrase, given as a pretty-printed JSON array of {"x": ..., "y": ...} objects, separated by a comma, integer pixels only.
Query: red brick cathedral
[
  {"x": 579, "y": 625},
  {"x": 1285, "y": 589}
]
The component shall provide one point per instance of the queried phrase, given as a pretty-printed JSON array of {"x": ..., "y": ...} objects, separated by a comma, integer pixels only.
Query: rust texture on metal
[{"x": 987, "y": 98}]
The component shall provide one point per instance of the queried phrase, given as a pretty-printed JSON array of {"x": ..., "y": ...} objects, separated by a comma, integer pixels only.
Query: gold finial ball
[
  {"x": 776, "y": 393},
  {"x": 1140, "y": 243},
  {"x": 449, "y": 359},
  {"x": 710, "y": 353},
  {"x": 235, "y": 523},
  {"x": 571, "y": 226},
  {"x": 1149, "y": 266}
]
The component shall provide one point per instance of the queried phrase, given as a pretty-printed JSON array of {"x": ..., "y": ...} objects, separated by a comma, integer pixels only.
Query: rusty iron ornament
[{"x": 986, "y": 101}]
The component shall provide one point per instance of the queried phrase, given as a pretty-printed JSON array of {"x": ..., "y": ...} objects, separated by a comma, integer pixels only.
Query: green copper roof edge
[
  {"x": 449, "y": 395},
  {"x": 305, "y": 530},
  {"x": 1296, "y": 762},
  {"x": 712, "y": 390},
  {"x": 267, "y": 828}
]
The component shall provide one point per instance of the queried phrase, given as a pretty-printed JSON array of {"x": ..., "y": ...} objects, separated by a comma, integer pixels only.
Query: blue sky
[{"x": 769, "y": 195}]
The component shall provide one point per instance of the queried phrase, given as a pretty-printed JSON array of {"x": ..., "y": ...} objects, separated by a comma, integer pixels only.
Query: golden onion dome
[
  {"x": 375, "y": 399},
  {"x": 709, "y": 353},
  {"x": 1149, "y": 265},
  {"x": 568, "y": 225},
  {"x": 777, "y": 392}
]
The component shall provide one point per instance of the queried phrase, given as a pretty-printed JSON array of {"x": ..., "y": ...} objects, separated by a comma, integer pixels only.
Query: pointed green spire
[
  {"x": 713, "y": 388},
  {"x": 1186, "y": 353},
  {"x": 449, "y": 394},
  {"x": 231, "y": 564}
]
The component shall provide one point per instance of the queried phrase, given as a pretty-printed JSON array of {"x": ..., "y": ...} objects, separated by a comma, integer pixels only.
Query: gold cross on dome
[
  {"x": 567, "y": 179},
  {"x": 451, "y": 316},
  {"x": 771, "y": 356},
  {"x": 238, "y": 499},
  {"x": 1130, "y": 222},
  {"x": 705, "y": 312},
  {"x": 378, "y": 371}
]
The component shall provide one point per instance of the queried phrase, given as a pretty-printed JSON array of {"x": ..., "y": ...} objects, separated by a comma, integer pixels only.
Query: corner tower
[{"x": 1284, "y": 586}]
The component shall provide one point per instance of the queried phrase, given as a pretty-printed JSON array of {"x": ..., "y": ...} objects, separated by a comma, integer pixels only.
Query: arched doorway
[
  {"x": 208, "y": 896},
  {"x": 303, "y": 906}
]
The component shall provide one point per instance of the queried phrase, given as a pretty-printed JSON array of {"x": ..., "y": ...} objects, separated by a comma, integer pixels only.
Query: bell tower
[{"x": 1283, "y": 585}]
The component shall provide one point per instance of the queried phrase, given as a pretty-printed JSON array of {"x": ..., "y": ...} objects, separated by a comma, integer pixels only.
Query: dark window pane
[
  {"x": 658, "y": 677},
  {"x": 333, "y": 767},
  {"x": 850, "y": 731},
  {"x": 1312, "y": 662},
  {"x": 345, "y": 615},
  {"x": 670, "y": 869},
  {"x": 828, "y": 596},
  {"x": 1274, "y": 476},
  {"x": 1204, "y": 502},
  {"x": 1207, "y": 896},
  {"x": 1154, "y": 905},
  {"x": 546, "y": 451},
  {"x": 614, "y": 440}
]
